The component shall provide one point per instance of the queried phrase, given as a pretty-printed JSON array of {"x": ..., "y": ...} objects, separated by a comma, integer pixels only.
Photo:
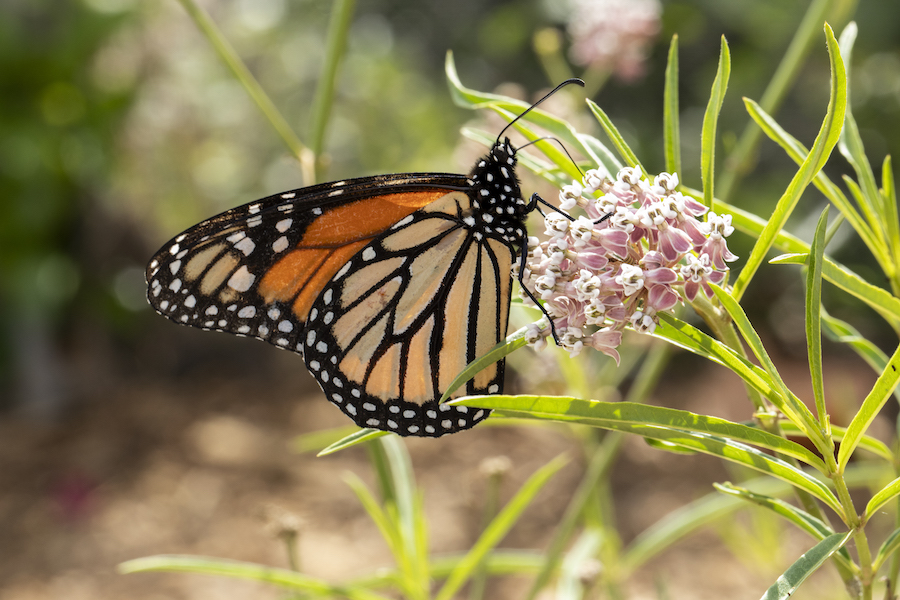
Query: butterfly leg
[{"x": 523, "y": 245}]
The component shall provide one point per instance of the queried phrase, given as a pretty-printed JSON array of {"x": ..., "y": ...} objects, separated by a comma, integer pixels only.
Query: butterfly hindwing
[{"x": 405, "y": 315}]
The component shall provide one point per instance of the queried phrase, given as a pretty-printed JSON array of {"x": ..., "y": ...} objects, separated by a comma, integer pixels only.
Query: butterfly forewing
[{"x": 255, "y": 270}]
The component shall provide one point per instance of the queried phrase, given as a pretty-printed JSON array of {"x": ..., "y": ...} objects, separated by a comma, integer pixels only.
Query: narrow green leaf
[
  {"x": 513, "y": 342},
  {"x": 813, "y": 318},
  {"x": 882, "y": 497},
  {"x": 889, "y": 197},
  {"x": 690, "y": 338},
  {"x": 336, "y": 42},
  {"x": 795, "y": 409},
  {"x": 358, "y": 437},
  {"x": 843, "y": 332},
  {"x": 676, "y": 525},
  {"x": 802, "y": 519},
  {"x": 675, "y": 427},
  {"x": 381, "y": 518},
  {"x": 410, "y": 520},
  {"x": 805, "y": 566},
  {"x": 866, "y": 442},
  {"x": 871, "y": 406},
  {"x": 249, "y": 571},
  {"x": 601, "y": 414},
  {"x": 615, "y": 137},
  {"x": 821, "y": 150},
  {"x": 472, "y": 99},
  {"x": 888, "y": 547},
  {"x": 251, "y": 85},
  {"x": 880, "y": 300},
  {"x": 671, "y": 115},
  {"x": 783, "y": 80},
  {"x": 498, "y": 528},
  {"x": 798, "y": 152},
  {"x": 710, "y": 121}
]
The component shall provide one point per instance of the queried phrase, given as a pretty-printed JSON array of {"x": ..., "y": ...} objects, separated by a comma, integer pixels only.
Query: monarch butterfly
[{"x": 388, "y": 286}]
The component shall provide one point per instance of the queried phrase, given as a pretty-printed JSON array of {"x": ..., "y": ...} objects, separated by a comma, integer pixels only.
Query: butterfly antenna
[
  {"x": 550, "y": 138},
  {"x": 550, "y": 93}
]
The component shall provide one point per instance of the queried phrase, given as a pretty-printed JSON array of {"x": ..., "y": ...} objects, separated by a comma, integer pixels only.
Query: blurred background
[{"x": 122, "y": 435}]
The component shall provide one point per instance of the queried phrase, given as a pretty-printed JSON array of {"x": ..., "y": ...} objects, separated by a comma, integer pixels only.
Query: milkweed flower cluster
[{"x": 624, "y": 260}]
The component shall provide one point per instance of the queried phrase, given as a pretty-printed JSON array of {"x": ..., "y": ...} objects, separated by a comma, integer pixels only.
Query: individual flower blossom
[
  {"x": 569, "y": 195},
  {"x": 640, "y": 248},
  {"x": 718, "y": 228},
  {"x": 698, "y": 274}
]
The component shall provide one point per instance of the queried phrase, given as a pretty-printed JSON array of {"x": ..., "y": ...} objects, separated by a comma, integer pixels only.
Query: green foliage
[{"x": 818, "y": 477}]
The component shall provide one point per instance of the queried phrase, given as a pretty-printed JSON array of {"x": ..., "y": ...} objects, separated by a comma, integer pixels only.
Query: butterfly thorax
[{"x": 499, "y": 210}]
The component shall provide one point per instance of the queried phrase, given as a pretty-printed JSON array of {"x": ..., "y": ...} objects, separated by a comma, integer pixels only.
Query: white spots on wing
[
  {"x": 274, "y": 313},
  {"x": 317, "y": 211},
  {"x": 241, "y": 280},
  {"x": 409, "y": 414},
  {"x": 314, "y": 365},
  {"x": 246, "y": 246},
  {"x": 404, "y": 221},
  {"x": 337, "y": 398},
  {"x": 343, "y": 271},
  {"x": 175, "y": 285},
  {"x": 313, "y": 314},
  {"x": 368, "y": 406},
  {"x": 164, "y": 305},
  {"x": 282, "y": 342},
  {"x": 368, "y": 253},
  {"x": 174, "y": 249},
  {"x": 493, "y": 389},
  {"x": 470, "y": 221},
  {"x": 248, "y": 312},
  {"x": 244, "y": 329},
  {"x": 253, "y": 208},
  {"x": 175, "y": 266},
  {"x": 333, "y": 193},
  {"x": 446, "y": 423},
  {"x": 212, "y": 310},
  {"x": 287, "y": 196},
  {"x": 254, "y": 221},
  {"x": 263, "y": 330},
  {"x": 236, "y": 237},
  {"x": 413, "y": 428},
  {"x": 190, "y": 301},
  {"x": 429, "y": 429},
  {"x": 311, "y": 337},
  {"x": 328, "y": 296},
  {"x": 181, "y": 237},
  {"x": 285, "y": 327},
  {"x": 184, "y": 318},
  {"x": 283, "y": 225},
  {"x": 322, "y": 347},
  {"x": 329, "y": 316},
  {"x": 351, "y": 409},
  {"x": 280, "y": 245}
]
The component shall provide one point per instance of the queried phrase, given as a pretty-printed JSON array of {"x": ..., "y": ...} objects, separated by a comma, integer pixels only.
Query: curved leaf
[
  {"x": 818, "y": 155},
  {"x": 805, "y": 566},
  {"x": 711, "y": 120},
  {"x": 669, "y": 425},
  {"x": 245, "y": 570}
]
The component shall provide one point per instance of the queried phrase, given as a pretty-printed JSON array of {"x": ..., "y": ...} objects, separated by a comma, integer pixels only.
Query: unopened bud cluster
[{"x": 637, "y": 249}]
